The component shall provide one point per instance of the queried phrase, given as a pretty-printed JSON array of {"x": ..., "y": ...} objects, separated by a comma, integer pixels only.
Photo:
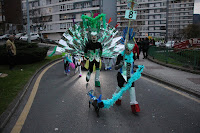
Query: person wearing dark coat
[{"x": 145, "y": 48}]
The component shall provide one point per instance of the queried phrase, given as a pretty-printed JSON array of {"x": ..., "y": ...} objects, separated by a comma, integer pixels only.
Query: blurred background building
[
  {"x": 196, "y": 19},
  {"x": 158, "y": 19},
  {"x": 10, "y": 17},
  {"x": 52, "y": 18}
]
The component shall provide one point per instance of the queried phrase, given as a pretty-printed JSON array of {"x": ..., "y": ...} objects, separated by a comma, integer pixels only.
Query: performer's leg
[
  {"x": 79, "y": 69},
  {"x": 106, "y": 63},
  {"x": 76, "y": 66},
  {"x": 120, "y": 81},
  {"x": 91, "y": 64},
  {"x": 97, "y": 82},
  {"x": 110, "y": 63},
  {"x": 134, "y": 104},
  {"x": 143, "y": 51},
  {"x": 65, "y": 67}
]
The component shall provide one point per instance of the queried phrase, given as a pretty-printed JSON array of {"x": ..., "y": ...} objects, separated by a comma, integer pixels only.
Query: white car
[
  {"x": 6, "y": 36},
  {"x": 33, "y": 36},
  {"x": 18, "y": 35},
  {"x": 169, "y": 44}
]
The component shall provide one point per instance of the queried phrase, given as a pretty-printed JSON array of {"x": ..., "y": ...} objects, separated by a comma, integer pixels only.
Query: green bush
[{"x": 26, "y": 53}]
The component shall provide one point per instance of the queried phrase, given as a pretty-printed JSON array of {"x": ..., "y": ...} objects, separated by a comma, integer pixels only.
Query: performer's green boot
[
  {"x": 88, "y": 76},
  {"x": 97, "y": 82}
]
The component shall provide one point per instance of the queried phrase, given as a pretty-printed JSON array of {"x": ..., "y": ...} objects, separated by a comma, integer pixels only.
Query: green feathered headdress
[{"x": 94, "y": 23}]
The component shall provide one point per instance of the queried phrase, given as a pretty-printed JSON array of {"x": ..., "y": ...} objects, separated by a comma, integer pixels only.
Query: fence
[{"x": 179, "y": 57}]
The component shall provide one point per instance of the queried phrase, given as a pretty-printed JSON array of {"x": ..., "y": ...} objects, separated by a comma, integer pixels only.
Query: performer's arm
[
  {"x": 86, "y": 50},
  {"x": 119, "y": 62},
  {"x": 101, "y": 49}
]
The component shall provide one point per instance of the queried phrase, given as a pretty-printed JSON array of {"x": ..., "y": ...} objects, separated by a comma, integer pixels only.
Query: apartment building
[
  {"x": 157, "y": 18},
  {"x": 2, "y": 17},
  {"x": 53, "y": 17},
  {"x": 10, "y": 16}
]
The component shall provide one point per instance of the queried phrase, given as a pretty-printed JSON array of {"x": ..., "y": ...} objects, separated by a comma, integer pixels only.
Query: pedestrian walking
[{"x": 145, "y": 48}]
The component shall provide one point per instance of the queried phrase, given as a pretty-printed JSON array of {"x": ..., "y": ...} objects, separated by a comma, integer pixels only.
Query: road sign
[{"x": 130, "y": 14}]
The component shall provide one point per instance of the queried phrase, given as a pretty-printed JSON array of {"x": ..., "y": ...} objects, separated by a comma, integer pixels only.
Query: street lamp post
[
  {"x": 28, "y": 21},
  {"x": 167, "y": 16}
]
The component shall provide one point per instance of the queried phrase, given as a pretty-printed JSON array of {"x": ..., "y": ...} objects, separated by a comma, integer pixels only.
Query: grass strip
[{"x": 12, "y": 84}]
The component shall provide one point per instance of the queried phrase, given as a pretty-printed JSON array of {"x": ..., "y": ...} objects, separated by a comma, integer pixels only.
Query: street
[{"x": 61, "y": 105}]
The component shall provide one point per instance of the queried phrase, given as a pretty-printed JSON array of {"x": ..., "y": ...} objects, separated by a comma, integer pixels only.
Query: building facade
[
  {"x": 10, "y": 16},
  {"x": 196, "y": 19},
  {"x": 52, "y": 18},
  {"x": 158, "y": 18}
]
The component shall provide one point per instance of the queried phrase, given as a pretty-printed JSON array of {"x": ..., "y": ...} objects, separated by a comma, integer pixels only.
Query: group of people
[
  {"x": 73, "y": 61},
  {"x": 143, "y": 45},
  {"x": 124, "y": 65}
]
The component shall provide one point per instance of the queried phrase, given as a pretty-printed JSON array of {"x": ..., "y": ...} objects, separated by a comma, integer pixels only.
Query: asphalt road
[{"x": 61, "y": 105}]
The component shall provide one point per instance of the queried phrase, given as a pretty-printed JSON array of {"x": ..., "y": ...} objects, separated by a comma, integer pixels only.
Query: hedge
[{"x": 26, "y": 53}]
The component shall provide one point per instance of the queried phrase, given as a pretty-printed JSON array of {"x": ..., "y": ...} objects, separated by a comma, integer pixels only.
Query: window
[
  {"x": 78, "y": 6},
  {"x": 157, "y": 28},
  {"x": 157, "y": 22},
  {"x": 163, "y": 22},
  {"x": 162, "y": 28},
  {"x": 157, "y": 34},
  {"x": 66, "y": 16},
  {"x": 151, "y": 17},
  {"x": 151, "y": 28},
  {"x": 63, "y": 26},
  {"x": 86, "y": 5},
  {"x": 151, "y": 22},
  {"x": 69, "y": 6},
  {"x": 157, "y": 5},
  {"x": 63, "y": 7},
  {"x": 151, "y": 34},
  {"x": 157, "y": 16},
  {"x": 64, "y": 0},
  {"x": 151, "y": 5},
  {"x": 48, "y": 2}
]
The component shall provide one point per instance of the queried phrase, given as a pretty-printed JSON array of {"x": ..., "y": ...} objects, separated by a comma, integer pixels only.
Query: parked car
[
  {"x": 18, "y": 35},
  {"x": 33, "y": 36},
  {"x": 157, "y": 44},
  {"x": 169, "y": 44},
  {"x": 6, "y": 36},
  {"x": 48, "y": 41}
]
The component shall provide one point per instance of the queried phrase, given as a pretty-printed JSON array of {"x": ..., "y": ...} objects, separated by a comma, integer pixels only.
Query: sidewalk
[{"x": 182, "y": 80}]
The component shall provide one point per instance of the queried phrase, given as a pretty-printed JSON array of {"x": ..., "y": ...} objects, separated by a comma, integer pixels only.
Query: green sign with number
[{"x": 130, "y": 14}]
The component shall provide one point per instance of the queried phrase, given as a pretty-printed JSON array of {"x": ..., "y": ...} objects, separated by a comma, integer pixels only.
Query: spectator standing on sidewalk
[
  {"x": 145, "y": 48},
  {"x": 139, "y": 43},
  {"x": 11, "y": 51},
  {"x": 153, "y": 42}
]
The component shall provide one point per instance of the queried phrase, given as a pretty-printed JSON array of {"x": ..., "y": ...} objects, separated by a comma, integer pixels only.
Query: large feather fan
[{"x": 75, "y": 38}]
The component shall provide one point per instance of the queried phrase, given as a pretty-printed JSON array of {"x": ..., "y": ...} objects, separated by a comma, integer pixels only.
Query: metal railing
[{"x": 188, "y": 58}]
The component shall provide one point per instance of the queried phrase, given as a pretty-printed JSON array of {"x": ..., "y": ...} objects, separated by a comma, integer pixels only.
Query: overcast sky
[{"x": 196, "y": 6}]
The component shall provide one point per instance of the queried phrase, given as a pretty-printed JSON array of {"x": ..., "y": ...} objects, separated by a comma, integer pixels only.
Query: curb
[
  {"x": 173, "y": 66},
  {"x": 185, "y": 89},
  {"x": 6, "y": 115}
]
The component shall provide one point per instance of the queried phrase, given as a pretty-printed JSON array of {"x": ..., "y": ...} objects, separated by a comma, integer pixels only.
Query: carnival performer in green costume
[{"x": 93, "y": 51}]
